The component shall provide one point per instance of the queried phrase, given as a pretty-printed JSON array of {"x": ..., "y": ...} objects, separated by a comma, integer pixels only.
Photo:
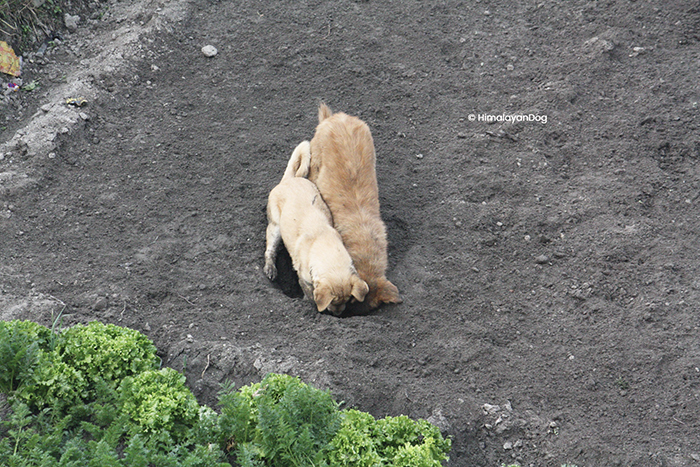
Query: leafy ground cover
[{"x": 95, "y": 395}]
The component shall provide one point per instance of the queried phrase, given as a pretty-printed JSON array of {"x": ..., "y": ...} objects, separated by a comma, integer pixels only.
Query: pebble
[
  {"x": 71, "y": 22},
  {"x": 637, "y": 51},
  {"x": 542, "y": 259},
  {"x": 100, "y": 304},
  {"x": 439, "y": 420},
  {"x": 598, "y": 45},
  {"x": 209, "y": 50}
]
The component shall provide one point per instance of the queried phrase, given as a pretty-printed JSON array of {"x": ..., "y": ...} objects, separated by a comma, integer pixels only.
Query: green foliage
[
  {"x": 295, "y": 422},
  {"x": 92, "y": 396},
  {"x": 284, "y": 422},
  {"x": 84, "y": 359},
  {"x": 356, "y": 444},
  {"x": 403, "y": 438},
  {"x": 363, "y": 441},
  {"x": 159, "y": 401},
  {"x": 104, "y": 352},
  {"x": 22, "y": 345}
]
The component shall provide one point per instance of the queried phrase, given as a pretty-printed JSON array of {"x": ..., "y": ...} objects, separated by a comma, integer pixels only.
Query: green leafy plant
[
  {"x": 86, "y": 356},
  {"x": 363, "y": 441},
  {"x": 157, "y": 402},
  {"x": 284, "y": 422},
  {"x": 95, "y": 399},
  {"x": 93, "y": 396},
  {"x": 22, "y": 346},
  {"x": 280, "y": 422}
]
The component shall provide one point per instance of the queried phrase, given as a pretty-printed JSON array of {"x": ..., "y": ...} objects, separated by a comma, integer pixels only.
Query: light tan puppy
[
  {"x": 341, "y": 163},
  {"x": 298, "y": 216}
]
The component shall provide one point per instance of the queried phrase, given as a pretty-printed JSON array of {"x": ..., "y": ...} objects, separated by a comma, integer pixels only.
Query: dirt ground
[{"x": 549, "y": 268}]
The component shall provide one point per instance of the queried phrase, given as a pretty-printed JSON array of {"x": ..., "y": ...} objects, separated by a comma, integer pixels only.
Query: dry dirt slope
[{"x": 549, "y": 270}]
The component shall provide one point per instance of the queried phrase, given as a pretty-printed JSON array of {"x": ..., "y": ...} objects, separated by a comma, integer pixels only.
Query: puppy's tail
[
  {"x": 298, "y": 165},
  {"x": 323, "y": 112}
]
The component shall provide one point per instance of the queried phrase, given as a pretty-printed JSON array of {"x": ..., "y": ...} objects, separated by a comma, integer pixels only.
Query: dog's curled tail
[
  {"x": 323, "y": 112},
  {"x": 298, "y": 165}
]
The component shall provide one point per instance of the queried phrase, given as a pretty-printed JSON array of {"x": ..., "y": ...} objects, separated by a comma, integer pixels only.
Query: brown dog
[
  {"x": 341, "y": 164},
  {"x": 298, "y": 216}
]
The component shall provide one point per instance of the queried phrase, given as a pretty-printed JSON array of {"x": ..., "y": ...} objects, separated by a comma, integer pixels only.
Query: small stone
[
  {"x": 419, "y": 156},
  {"x": 598, "y": 45},
  {"x": 101, "y": 304},
  {"x": 189, "y": 338},
  {"x": 46, "y": 107},
  {"x": 84, "y": 116},
  {"x": 439, "y": 420},
  {"x": 461, "y": 135},
  {"x": 542, "y": 259},
  {"x": 507, "y": 446},
  {"x": 209, "y": 50},
  {"x": 71, "y": 22},
  {"x": 147, "y": 327},
  {"x": 637, "y": 51}
]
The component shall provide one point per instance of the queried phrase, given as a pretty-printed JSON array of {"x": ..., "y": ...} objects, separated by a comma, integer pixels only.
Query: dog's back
[{"x": 342, "y": 165}]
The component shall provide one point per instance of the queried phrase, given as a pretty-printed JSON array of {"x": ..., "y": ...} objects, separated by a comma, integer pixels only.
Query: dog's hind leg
[{"x": 273, "y": 240}]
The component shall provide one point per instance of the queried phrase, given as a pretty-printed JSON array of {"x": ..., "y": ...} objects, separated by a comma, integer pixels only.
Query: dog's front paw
[{"x": 270, "y": 271}]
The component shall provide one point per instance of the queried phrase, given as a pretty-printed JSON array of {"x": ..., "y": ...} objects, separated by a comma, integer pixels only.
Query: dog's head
[
  {"x": 384, "y": 292},
  {"x": 334, "y": 297}
]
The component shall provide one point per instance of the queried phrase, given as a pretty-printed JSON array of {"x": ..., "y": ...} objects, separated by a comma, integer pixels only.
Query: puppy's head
[
  {"x": 334, "y": 297},
  {"x": 384, "y": 292}
]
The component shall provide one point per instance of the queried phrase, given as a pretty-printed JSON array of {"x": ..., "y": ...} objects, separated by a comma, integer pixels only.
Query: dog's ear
[
  {"x": 359, "y": 288},
  {"x": 387, "y": 292},
  {"x": 323, "y": 112},
  {"x": 323, "y": 296}
]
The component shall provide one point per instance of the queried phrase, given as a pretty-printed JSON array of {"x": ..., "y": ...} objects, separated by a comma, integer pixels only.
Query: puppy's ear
[
  {"x": 359, "y": 288},
  {"x": 387, "y": 292},
  {"x": 323, "y": 112},
  {"x": 322, "y": 296}
]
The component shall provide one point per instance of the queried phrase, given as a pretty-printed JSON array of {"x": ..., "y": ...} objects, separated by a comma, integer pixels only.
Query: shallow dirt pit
[{"x": 548, "y": 268}]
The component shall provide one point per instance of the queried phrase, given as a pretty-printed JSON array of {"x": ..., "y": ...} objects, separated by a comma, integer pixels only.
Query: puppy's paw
[{"x": 270, "y": 271}]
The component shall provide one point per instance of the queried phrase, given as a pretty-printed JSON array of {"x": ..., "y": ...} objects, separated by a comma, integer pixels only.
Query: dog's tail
[
  {"x": 298, "y": 165},
  {"x": 323, "y": 112}
]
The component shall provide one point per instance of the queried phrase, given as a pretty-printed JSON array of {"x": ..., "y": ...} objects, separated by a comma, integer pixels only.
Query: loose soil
[{"x": 549, "y": 269}]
